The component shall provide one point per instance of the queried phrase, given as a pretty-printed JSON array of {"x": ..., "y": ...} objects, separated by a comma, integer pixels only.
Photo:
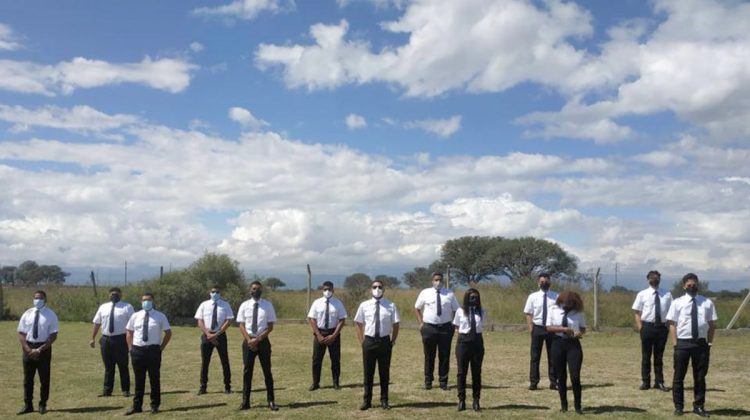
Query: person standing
[
  {"x": 256, "y": 317},
  {"x": 214, "y": 317},
  {"x": 469, "y": 322},
  {"x": 651, "y": 306},
  {"x": 37, "y": 330},
  {"x": 569, "y": 324},
  {"x": 327, "y": 316},
  {"x": 691, "y": 320},
  {"x": 144, "y": 337},
  {"x": 537, "y": 309},
  {"x": 377, "y": 321},
  {"x": 434, "y": 310},
  {"x": 112, "y": 318}
]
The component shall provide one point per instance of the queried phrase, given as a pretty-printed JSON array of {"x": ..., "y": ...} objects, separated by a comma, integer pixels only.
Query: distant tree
[
  {"x": 619, "y": 289},
  {"x": 527, "y": 257},
  {"x": 28, "y": 273},
  {"x": 274, "y": 283},
  {"x": 357, "y": 289},
  {"x": 420, "y": 277},
  {"x": 388, "y": 281},
  {"x": 52, "y": 274},
  {"x": 471, "y": 259},
  {"x": 7, "y": 274},
  {"x": 678, "y": 290}
]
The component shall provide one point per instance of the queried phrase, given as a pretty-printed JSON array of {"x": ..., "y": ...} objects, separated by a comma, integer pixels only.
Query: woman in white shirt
[
  {"x": 469, "y": 321},
  {"x": 568, "y": 323}
]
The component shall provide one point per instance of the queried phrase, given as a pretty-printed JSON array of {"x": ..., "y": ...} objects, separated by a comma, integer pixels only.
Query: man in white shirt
[
  {"x": 327, "y": 316},
  {"x": 691, "y": 327},
  {"x": 256, "y": 317},
  {"x": 434, "y": 309},
  {"x": 651, "y": 306},
  {"x": 37, "y": 330},
  {"x": 111, "y": 318},
  {"x": 377, "y": 323},
  {"x": 144, "y": 336},
  {"x": 537, "y": 311},
  {"x": 214, "y": 317}
]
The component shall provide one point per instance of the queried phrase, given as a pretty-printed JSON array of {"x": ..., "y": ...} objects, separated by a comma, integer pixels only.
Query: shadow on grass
[
  {"x": 690, "y": 388},
  {"x": 83, "y": 410},
  {"x": 518, "y": 407},
  {"x": 614, "y": 409},
  {"x": 193, "y": 407},
  {"x": 490, "y": 386},
  {"x": 423, "y": 404},
  {"x": 730, "y": 412},
  {"x": 589, "y": 386},
  {"x": 309, "y": 404},
  {"x": 264, "y": 390},
  {"x": 179, "y": 391}
]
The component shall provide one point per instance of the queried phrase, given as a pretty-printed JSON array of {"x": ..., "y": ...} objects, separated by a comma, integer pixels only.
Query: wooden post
[
  {"x": 596, "y": 299},
  {"x": 739, "y": 311},
  {"x": 2, "y": 307},
  {"x": 448, "y": 277},
  {"x": 309, "y": 286},
  {"x": 126, "y": 272},
  {"x": 93, "y": 284},
  {"x": 161, "y": 272}
]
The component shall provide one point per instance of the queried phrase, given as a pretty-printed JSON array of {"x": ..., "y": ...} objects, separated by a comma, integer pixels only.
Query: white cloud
[
  {"x": 441, "y": 127},
  {"x": 245, "y": 118},
  {"x": 354, "y": 121},
  {"x": 171, "y": 75},
  {"x": 8, "y": 40},
  {"x": 79, "y": 118},
  {"x": 196, "y": 47},
  {"x": 661, "y": 159},
  {"x": 245, "y": 9}
]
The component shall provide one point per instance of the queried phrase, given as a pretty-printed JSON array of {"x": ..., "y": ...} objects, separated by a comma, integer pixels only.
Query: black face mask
[
  {"x": 692, "y": 290},
  {"x": 654, "y": 283},
  {"x": 114, "y": 298},
  {"x": 256, "y": 294},
  {"x": 473, "y": 301},
  {"x": 544, "y": 286}
]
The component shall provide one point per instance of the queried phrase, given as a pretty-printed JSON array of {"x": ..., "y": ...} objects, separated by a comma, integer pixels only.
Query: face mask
[
  {"x": 436, "y": 284},
  {"x": 39, "y": 303},
  {"x": 544, "y": 286},
  {"x": 654, "y": 283},
  {"x": 256, "y": 294},
  {"x": 215, "y": 296},
  {"x": 147, "y": 305},
  {"x": 327, "y": 294},
  {"x": 473, "y": 301},
  {"x": 114, "y": 298},
  {"x": 377, "y": 293},
  {"x": 692, "y": 290}
]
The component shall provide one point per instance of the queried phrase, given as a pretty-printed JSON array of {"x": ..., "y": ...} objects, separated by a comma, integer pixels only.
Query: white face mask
[
  {"x": 437, "y": 284},
  {"x": 327, "y": 294},
  {"x": 377, "y": 293}
]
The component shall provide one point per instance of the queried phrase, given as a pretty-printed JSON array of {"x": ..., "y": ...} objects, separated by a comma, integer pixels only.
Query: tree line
[{"x": 30, "y": 273}]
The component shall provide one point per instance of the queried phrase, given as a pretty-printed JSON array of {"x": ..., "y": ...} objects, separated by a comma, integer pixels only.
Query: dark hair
[
  {"x": 377, "y": 281},
  {"x": 328, "y": 284},
  {"x": 216, "y": 286},
  {"x": 41, "y": 292},
  {"x": 115, "y": 289},
  {"x": 570, "y": 301},
  {"x": 436, "y": 273},
  {"x": 653, "y": 274},
  {"x": 689, "y": 276},
  {"x": 545, "y": 275},
  {"x": 256, "y": 282},
  {"x": 466, "y": 301},
  {"x": 149, "y": 294}
]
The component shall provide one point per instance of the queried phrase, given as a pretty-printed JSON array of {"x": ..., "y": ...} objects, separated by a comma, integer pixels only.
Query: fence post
[
  {"x": 93, "y": 284},
  {"x": 739, "y": 311},
  {"x": 309, "y": 285},
  {"x": 596, "y": 299},
  {"x": 448, "y": 277},
  {"x": 2, "y": 307}
]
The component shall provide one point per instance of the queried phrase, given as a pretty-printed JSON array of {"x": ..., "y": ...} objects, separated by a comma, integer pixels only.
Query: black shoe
[
  {"x": 273, "y": 406},
  {"x": 154, "y": 410},
  {"x": 660, "y": 386},
  {"x": 644, "y": 386},
  {"x": 384, "y": 405},
  {"x": 201, "y": 391},
  {"x": 475, "y": 404},
  {"x": 428, "y": 386},
  {"x": 244, "y": 406},
  {"x": 132, "y": 411},
  {"x": 313, "y": 387},
  {"x": 579, "y": 411},
  {"x": 104, "y": 394},
  {"x": 42, "y": 409},
  {"x": 564, "y": 407},
  {"x": 461, "y": 405},
  {"x": 336, "y": 386},
  {"x": 677, "y": 412},
  {"x": 365, "y": 406},
  {"x": 697, "y": 410},
  {"x": 553, "y": 386},
  {"x": 26, "y": 410},
  {"x": 444, "y": 386},
  {"x": 126, "y": 394},
  {"x": 532, "y": 387}
]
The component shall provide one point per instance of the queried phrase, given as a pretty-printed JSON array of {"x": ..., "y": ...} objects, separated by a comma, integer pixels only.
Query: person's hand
[
  {"x": 320, "y": 338},
  {"x": 253, "y": 344},
  {"x": 393, "y": 343},
  {"x": 91, "y": 344},
  {"x": 34, "y": 354},
  {"x": 578, "y": 334},
  {"x": 569, "y": 332},
  {"x": 210, "y": 336}
]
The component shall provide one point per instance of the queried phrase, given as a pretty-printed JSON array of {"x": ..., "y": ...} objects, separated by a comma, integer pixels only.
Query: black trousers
[
  {"x": 248, "y": 358},
  {"x": 115, "y": 354},
  {"x": 567, "y": 353},
  {"x": 437, "y": 338},
  {"x": 469, "y": 351},
  {"x": 207, "y": 349},
  {"x": 146, "y": 360},
  {"x": 653, "y": 341},
  {"x": 687, "y": 351},
  {"x": 42, "y": 365},
  {"x": 319, "y": 352},
  {"x": 539, "y": 337},
  {"x": 377, "y": 351}
]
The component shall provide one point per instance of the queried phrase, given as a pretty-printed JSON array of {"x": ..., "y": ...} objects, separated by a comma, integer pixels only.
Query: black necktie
[
  {"x": 377, "y": 318},
  {"x": 254, "y": 325},
  {"x": 35, "y": 331},
  {"x": 214, "y": 317},
  {"x": 565, "y": 319},
  {"x": 439, "y": 306},
  {"x": 326, "y": 326},
  {"x": 694, "y": 320},
  {"x": 657, "y": 308},
  {"x": 544, "y": 310},
  {"x": 145, "y": 328},
  {"x": 112, "y": 319},
  {"x": 472, "y": 322}
]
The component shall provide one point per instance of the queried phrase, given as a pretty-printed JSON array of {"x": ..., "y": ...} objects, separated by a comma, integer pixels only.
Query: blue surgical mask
[
  {"x": 147, "y": 305},
  {"x": 39, "y": 303},
  {"x": 215, "y": 296}
]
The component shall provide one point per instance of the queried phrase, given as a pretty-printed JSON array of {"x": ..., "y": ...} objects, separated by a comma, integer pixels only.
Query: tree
[
  {"x": 421, "y": 277},
  {"x": 471, "y": 259},
  {"x": 52, "y": 274},
  {"x": 274, "y": 283},
  {"x": 7, "y": 274},
  {"x": 388, "y": 281},
  {"x": 28, "y": 273},
  {"x": 357, "y": 288},
  {"x": 527, "y": 257}
]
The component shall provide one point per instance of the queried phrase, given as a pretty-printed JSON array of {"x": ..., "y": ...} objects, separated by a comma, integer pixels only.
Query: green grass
[{"x": 610, "y": 377}]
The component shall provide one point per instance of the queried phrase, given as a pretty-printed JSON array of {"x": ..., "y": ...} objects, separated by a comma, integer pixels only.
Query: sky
[{"x": 360, "y": 135}]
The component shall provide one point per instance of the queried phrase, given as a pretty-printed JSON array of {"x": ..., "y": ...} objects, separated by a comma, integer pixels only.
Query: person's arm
[
  {"x": 559, "y": 329},
  {"x": 24, "y": 343},
  {"x": 167, "y": 337},
  {"x": 360, "y": 332},
  {"x": 711, "y": 330},
  {"x": 244, "y": 332},
  {"x": 530, "y": 322},
  {"x": 262, "y": 336},
  {"x": 93, "y": 335},
  {"x": 129, "y": 339},
  {"x": 394, "y": 334},
  {"x": 224, "y": 327},
  {"x": 638, "y": 325},
  {"x": 418, "y": 314},
  {"x": 316, "y": 331},
  {"x": 673, "y": 332},
  {"x": 338, "y": 329}
]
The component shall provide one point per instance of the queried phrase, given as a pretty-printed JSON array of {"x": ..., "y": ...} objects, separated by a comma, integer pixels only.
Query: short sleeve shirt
[
  {"x": 388, "y": 316},
  {"x": 123, "y": 312},
  {"x": 46, "y": 325},
  {"x": 157, "y": 324},
  {"x": 427, "y": 303},
  {"x": 266, "y": 315},
  {"x": 206, "y": 309},
  {"x": 336, "y": 312}
]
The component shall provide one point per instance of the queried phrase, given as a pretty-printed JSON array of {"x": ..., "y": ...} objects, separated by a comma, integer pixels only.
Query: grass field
[{"x": 610, "y": 376}]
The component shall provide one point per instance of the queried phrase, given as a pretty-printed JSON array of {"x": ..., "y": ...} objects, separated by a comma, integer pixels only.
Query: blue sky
[{"x": 360, "y": 135}]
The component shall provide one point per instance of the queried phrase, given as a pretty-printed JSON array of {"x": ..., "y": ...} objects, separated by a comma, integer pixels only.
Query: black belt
[
  {"x": 35, "y": 345},
  {"x": 439, "y": 325},
  {"x": 382, "y": 337},
  {"x": 654, "y": 324},
  {"x": 692, "y": 340},
  {"x": 112, "y": 336},
  {"x": 326, "y": 331},
  {"x": 150, "y": 346},
  {"x": 469, "y": 334}
]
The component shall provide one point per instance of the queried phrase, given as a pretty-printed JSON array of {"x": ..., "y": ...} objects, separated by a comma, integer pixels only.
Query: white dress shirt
[
  {"x": 336, "y": 312},
  {"x": 644, "y": 302},
  {"x": 681, "y": 312},
  {"x": 46, "y": 326},
  {"x": 157, "y": 323},
  {"x": 534, "y": 305},
  {"x": 427, "y": 303},
  {"x": 576, "y": 320},
  {"x": 266, "y": 315},
  {"x": 123, "y": 312},
  {"x": 388, "y": 316},
  {"x": 206, "y": 309},
  {"x": 463, "y": 322}
]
